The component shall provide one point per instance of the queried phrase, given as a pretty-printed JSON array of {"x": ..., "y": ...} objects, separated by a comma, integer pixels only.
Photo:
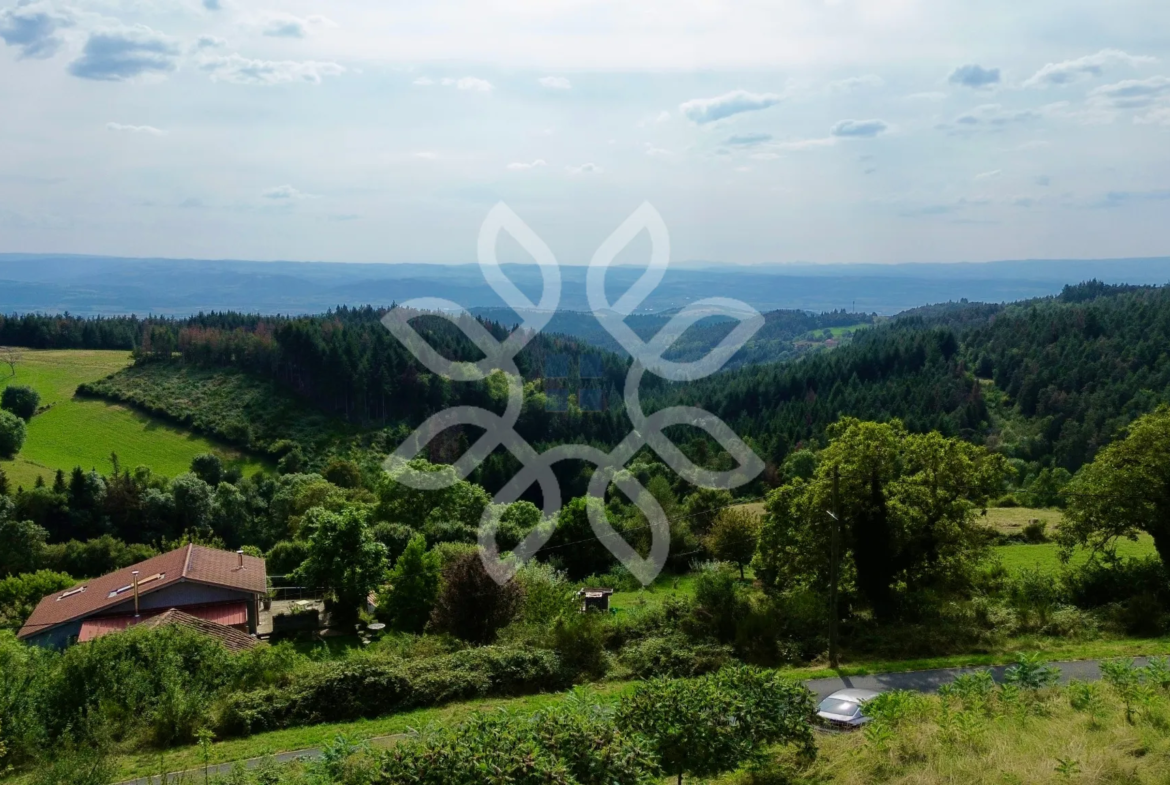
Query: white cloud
[
  {"x": 656, "y": 152},
  {"x": 1069, "y": 71},
  {"x": 423, "y": 81},
  {"x": 708, "y": 110},
  {"x": 242, "y": 70},
  {"x": 555, "y": 82},
  {"x": 284, "y": 26},
  {"x": 32, "y": 28},
  {"x": 860, "y": 129},
  {"x": 989, "y": 117},
  {"x": 284, "y": 193},
  {"x": 117, "y": 54},
  {"x": 427, "y": 155},
  {"x": 857, "y": 83},
  {"x": 747, "y": 140},
  {"x": 1159, "y": 116},
  {"x": 989, "y": 175},
  {"x": 927, "y": 97},
  {"x": 209, "y": 42},
  {"x": 468, "y": 83},
  {"x": 584, "y": 169},
  {"x": 520, "y": 166},
  {"x": 1132, "y": 93},
  {"x": 135, "y": 129}
]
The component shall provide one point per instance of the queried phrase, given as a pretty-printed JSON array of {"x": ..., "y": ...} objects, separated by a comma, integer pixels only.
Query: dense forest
[{"x": 1048, "y": 382}]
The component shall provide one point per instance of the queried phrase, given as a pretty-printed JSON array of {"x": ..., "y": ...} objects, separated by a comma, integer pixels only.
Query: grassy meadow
[{"x": 71, "y": 431}]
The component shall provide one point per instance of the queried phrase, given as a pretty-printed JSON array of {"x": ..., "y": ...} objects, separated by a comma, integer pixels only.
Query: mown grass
[
  {"x": 1046, "y": 556},
  {"x": 74, "y": 431},
  {"x": 1012, "y": 520}
]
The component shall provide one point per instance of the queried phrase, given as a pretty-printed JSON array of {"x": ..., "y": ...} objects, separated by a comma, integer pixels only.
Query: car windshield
[{"x": 838, "y": 706}]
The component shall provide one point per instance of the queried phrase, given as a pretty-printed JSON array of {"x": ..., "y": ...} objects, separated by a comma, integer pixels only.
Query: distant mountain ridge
[{"x": 98, "y": 285}]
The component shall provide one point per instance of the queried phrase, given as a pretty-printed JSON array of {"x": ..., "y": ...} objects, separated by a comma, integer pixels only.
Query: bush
[
  {"x": 471, "y": 605},
  {"x": 94, "y": 557},
  {"x": 576, "y": 742},
  {"x": 19, "y": 594},
  {"x": 21, "y": 401},
  {"x": 286, "y": 556},
  {"x": 1036, "y": 532},
  {"x": 409, "y": 597},
  {"x": 717, "y": 723},
  {"x": 673, "y": 656},
  {"x": 371, "y": 687},
  {"x": 12, "y": 434}
]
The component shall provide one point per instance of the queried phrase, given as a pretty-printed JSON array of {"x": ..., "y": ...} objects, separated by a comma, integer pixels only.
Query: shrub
[
  {"x": 286, "y": 556},
  {"x": 409, "y": 597},
  {"x": 370, "y": 687},
  {"x": 576, "y": 742},
  {"x": 673, "y": 656},
  {"x": 20, "y": 400},
  {"x": 471, "y": 605},
  {"x": 19, "y": 594},
  {"x": 1035, "y": 532},
  {"x": 12, "y": 434},
  {"x": 716, "y": 723}
]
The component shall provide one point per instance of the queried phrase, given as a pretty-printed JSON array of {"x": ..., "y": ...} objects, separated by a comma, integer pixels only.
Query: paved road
[{"x": 919, "y": 681}]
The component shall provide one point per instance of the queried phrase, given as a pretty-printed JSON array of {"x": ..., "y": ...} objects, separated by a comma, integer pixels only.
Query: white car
[{"x": 843, "y": 709}]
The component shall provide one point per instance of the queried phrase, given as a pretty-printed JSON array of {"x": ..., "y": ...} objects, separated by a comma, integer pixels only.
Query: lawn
[
  {"x": 1046, "y": 557},
  {"x": 1012, "y": 520},
  {"x": 73, "y": 431}
]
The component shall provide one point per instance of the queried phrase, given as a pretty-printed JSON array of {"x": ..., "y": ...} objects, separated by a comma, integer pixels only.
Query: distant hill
[{"x": 96, "y": 285}]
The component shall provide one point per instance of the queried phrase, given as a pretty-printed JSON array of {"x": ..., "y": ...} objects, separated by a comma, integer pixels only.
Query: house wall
[
  {"x": 57, "y": 637},
  {"x": 177, "y": 595}
]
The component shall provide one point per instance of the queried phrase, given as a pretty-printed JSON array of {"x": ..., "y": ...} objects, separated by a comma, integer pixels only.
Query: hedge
[{"x": 370, "y": 687}]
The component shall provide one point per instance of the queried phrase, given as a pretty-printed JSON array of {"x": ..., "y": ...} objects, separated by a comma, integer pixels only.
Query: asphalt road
[{"x": 918, "y": 681}]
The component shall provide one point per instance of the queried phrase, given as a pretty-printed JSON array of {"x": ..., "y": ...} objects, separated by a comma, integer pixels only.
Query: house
[{"x": 216, "y": 586}]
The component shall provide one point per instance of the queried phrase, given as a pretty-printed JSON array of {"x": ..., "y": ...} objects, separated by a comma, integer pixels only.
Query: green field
[
  {"x": 83, "y": 432},
  {"x": 1046, "y": 557}
]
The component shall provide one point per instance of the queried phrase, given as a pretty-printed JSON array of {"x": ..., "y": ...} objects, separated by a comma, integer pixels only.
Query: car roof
[{"x": 853, "y": 695}]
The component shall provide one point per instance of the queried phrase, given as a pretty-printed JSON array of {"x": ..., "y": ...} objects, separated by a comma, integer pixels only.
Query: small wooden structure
[{"x": 595, "y": 599}]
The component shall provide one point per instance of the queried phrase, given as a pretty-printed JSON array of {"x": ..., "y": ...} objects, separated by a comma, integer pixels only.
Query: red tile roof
[{"x": 193, "y": 563}]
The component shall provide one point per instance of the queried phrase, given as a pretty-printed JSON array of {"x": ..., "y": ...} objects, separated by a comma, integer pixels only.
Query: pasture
[{"x": 71, "y": 431}]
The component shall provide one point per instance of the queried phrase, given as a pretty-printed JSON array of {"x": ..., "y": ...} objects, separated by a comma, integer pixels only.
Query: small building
[
  {"x": 219, "y": 587},
  {"x": 595, "y": 599}
]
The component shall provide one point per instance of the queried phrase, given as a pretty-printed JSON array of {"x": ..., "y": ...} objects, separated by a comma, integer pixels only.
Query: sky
[{"x": 782, "y": 131}]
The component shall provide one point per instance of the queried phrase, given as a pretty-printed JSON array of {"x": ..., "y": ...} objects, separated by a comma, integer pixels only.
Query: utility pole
[{"x": 834, "y": 567}]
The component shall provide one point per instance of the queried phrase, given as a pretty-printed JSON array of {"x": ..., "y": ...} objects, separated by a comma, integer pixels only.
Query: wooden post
[{"x": 834, "y": 567}]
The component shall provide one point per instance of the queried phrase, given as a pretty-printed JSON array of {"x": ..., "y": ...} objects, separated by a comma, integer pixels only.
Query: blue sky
[{"x": 783, "y": 131}]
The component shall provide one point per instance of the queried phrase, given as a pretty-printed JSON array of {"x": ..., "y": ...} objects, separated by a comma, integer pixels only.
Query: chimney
[
  {"x": 135, "y": 576},
  {"x": 240, "y": 559}
]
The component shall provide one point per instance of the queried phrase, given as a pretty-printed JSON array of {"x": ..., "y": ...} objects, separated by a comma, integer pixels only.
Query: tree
[
  {"x": 734, "y": 535},
  {"x": 23, "y": 542},
  {"x": 343, "y": 473},
  {"x": 343, "y": 559},
  {"x": 208, "y": 467},
  {"x": 716, "y": 723},
  {"x": 408, "y": 599},
  {"x": 907, "y": 513},
  {"x": 10, "y": 356},
  {"x": 702, "y": 507},
  {"x": 12, "y": 434},
  {"x": 471, "y": 605},
  {"x": 1124, "y": 491},
  {"x": 20, "y": 400}
]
